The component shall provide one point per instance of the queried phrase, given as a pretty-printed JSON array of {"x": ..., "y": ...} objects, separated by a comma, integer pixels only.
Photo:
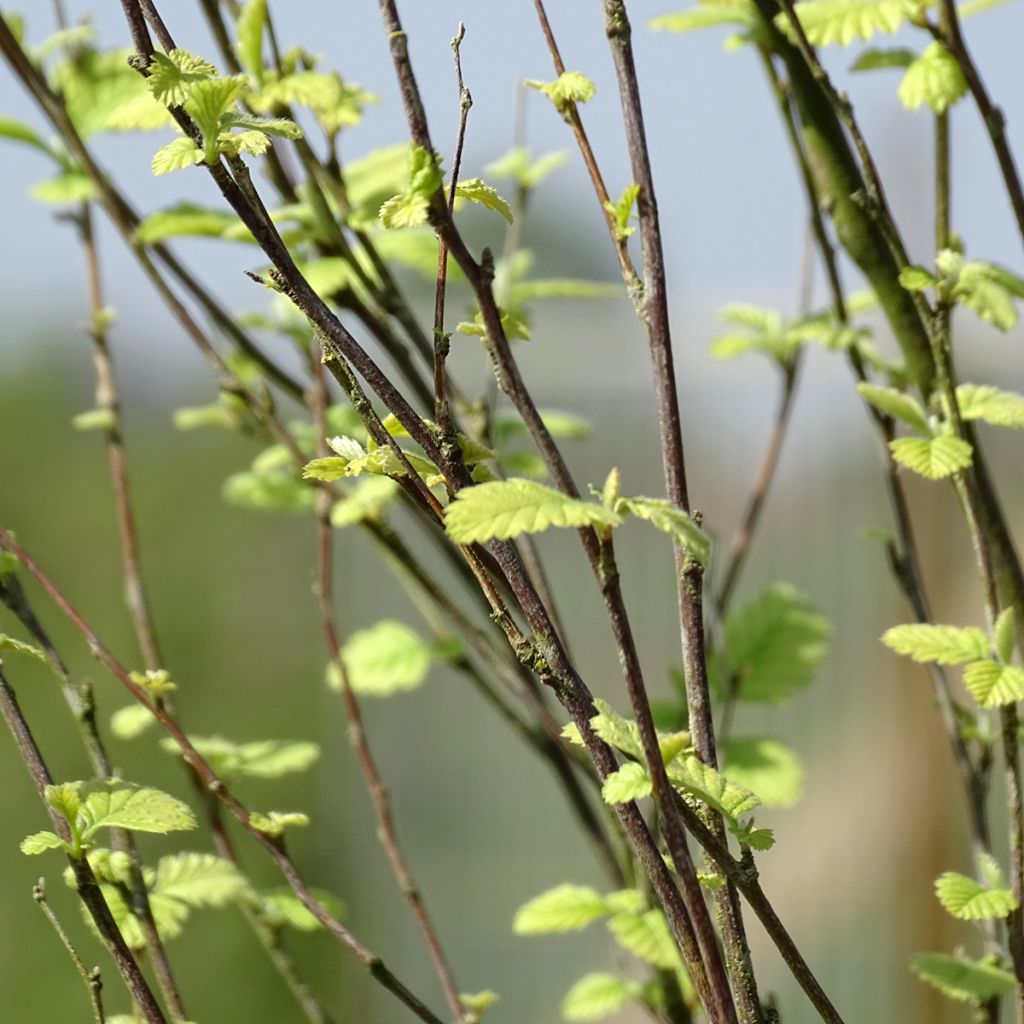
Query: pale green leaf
[
  {"x": 992, "y": 684},
  {"x": 40, "y": 842},
  {"x": 663, "y": 515},
  {"x": 842, "y": 21},
  {"x": 895, "y": 403},
  {"x": 966, "y": 899},
  {"x": 198, "y": 880},
  {"x": 646, "y": 935},
  {"x": 478, "y": 191},
  {"x": 917, "y": 279},
  {"x": 596, "y": 996},
  {"x": 15, "y": 646},
  {"x": 72, "y": 187},
  {"x": 478, "y": 1002},
  {"x": 568, "y": 87},
  {"x": 186, "y": 219},
  {"x": 933, "y": 79},
  {"x": 525, "y": 172},
  {"x": 366, "y": 501},
  {"x": 945, "y": 645},
  {"x": 630, "y": 782},
  {"x": 249, "y": 27},
  {"x": 621, "y": 211},
  {"x": 873, "y": 58},
  {"x": 131, "y": 721},
  {"x": 94, "y": 419},
  {"x": 180, "y": 153},
  {"x": 696, "y": 779},
  {"x": 171, "y": 76},
  {"x": 765, "y": 767},
  {"x": 705, "y": 15},
  {"x": 258, "y": 759},
  {"x": 404, "y": 211},
  {"x": 932, "y": 457},
  {"x": 281, "y": 908},
  {"x": 566, "y": 908},
  {"x": 17, "y": 131},
  {"x": 991, "y": 405},
  {"x": 274, "y": 823},
  {"x": 775, "y": 644},
  {"x": 968, "y": 981},
  {"x": 506, "y": 508},
  {"x": 113, "y": 805},
  {"x": 386, "y": 658}
]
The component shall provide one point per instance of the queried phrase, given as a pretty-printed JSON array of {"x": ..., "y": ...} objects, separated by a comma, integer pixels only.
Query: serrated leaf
[
  {"x": 675, "y": 522},
  {"x": 842, "y": 21},
  {"x": 40, "y": 842},
  {"x": 932, "y": 457},
  {"x": 765, "y": 767},
  {"x": 630, "y": 782},
  {"x": 507, "y": 508},
  {"x": 696, "y": 779},
  {"x": 15, "y": 646},
  {"x": 386, "y": 658},
  {"x": 935, "y": 78},
  {"x": 968, "y": 981},
  {"x": 180, "y": 153},
  {"x": 475, "y": 190},
  {"x": 65, "y": 798},
  {"x": 404, "y": 211},
  {"x": 171, "y": 75},
  {"x": 568, "y": 87},
  {"x": 197, "y": 879},
  {"x": 966, "y": 899},
  {"x": 257, "y": 759},
  {"x": 775, "y": 644},
  {"x": 705, "y": 15},
  {"x": 596, "y": 996},
  {"x": 991, "y": 405},
  {"x": 566, "y": 908},
  {"x": 113, "y": 805},
  {"x": 945, "y": 645},
  {"x": 992, "y": 684},
  {"x": 895, "y": 403},
  {"x": 646, "y": 936}
]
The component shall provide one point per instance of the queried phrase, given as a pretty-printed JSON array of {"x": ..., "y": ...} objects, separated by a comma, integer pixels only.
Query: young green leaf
[
  {"x": 842, "y": 21},
  {"x": 646, "y": 936},
  {"x": 992, "y": 684},
  {"x": 895, "y": 403},
  {"x": 252, "y": 19},
  {"x": 526, "y": 173},
  {"x": 273, "y": 823},
  {"x": 935, "y": 78},
  {"x": 113, "y": 804},
  {"x": 945, "y": 645},
  {"x": 506, "y": 508},
  {"x": 10, "y": 643},
  {"x": 966, "y": 899},
  {"x": 706, "y": 15},
  {"x": 281, "y": 908},
  {"x": 131, "y": 721},
  {"x": 932, "y": 457},
  {"x": 475, "y": 190},
  {"x": 171, "y": 76},
  {"x": 1003, "y": 635},
  {"x": 40, "y": 842},
  {"x": 596, "y": 996},
  {"x": 71, "y": 187},
  {"x": 774, "y": 645},
  {"x": 259, "y": 759},
  {"x": 477, "y": 1003},
  {"x": 180, "y": 153},
  {"x": 874, "y": 58},
  {"x": 968, "y": 981},
  {"x": 569, "y": 87},
  {"x": 990, "y": 405},
  {"x": 186, "y": 219},
  {"x": 621, "y": 212},
  {"x": 694, "y": 778},
  {"x": 366, "y": 501},
  {"x": 675, "y": 522},
  {"x": 566, "y": 908},
  {"x": 386, "y": 658},
  {"x": 630, "y": 782},
  {"x": 765, "y": 767}
]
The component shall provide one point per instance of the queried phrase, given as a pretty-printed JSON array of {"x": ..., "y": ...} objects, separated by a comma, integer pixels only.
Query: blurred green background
[{"x": 483, "y": 826}]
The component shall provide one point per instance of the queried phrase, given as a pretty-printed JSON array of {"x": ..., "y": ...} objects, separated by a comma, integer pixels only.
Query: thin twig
[
  {"x": 92, "y": 979},
  {"x": 85, "y": 881},
  {"x": 272, "y": 845}
]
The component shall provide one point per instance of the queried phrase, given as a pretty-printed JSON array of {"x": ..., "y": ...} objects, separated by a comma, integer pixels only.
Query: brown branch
[
  {"x": 85, "y": 881},
  {"x": 375, "y": 785},
  {"x": 209, "y": 777}
]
